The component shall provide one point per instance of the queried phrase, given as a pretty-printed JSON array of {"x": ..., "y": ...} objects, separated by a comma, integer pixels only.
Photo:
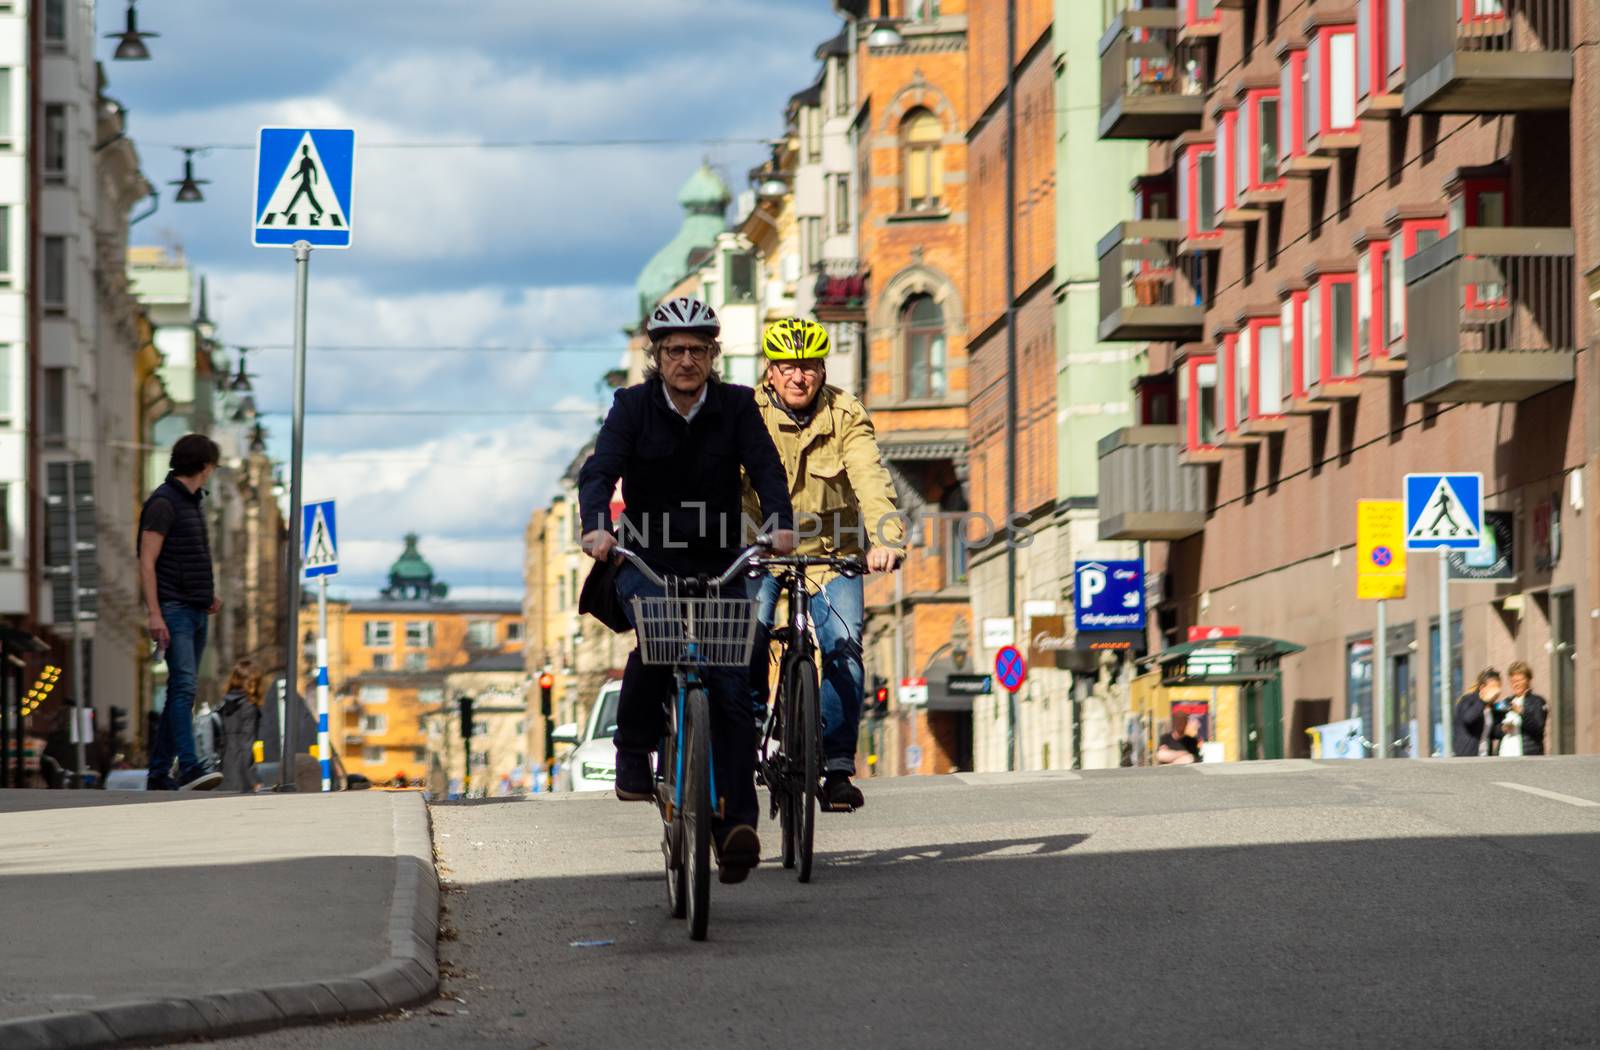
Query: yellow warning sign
[{"x": 1380, "y": 549}]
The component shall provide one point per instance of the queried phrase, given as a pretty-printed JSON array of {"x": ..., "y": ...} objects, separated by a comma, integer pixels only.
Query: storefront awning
[{"x": 1222, "y": 660}]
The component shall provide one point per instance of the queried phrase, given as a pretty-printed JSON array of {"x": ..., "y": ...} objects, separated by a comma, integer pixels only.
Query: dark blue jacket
[{"x": 680, "y": 480}]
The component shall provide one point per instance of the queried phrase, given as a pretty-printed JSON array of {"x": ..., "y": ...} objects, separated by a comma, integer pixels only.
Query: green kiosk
[{"x": 1232, "y": 685}]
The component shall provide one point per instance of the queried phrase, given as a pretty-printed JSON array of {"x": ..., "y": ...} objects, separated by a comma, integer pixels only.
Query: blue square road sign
[{"x": 303, "y": 187}]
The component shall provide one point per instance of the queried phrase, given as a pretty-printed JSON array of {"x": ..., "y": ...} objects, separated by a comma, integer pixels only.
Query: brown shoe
[{"x": 739, "y": 852}]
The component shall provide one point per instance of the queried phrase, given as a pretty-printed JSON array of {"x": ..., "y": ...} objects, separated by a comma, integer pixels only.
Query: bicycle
[
  {"x": 793, "y": 772},
  {"x": 690, "y": 627}
]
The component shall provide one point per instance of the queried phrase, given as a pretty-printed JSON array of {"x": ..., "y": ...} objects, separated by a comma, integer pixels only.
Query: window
[
  {"x": 54, "y": 292},
  {"x": 55, "y": 23},
  {"x": 432, "y": 695},
  {"x": 480, "y": 634},
  {"x": 378, "y": 634},
  {"x": 382, "y": 661},
  {"x": 6, "y": 404},
  {"x": 1234, "y": 353},
  {"x": 1197, "y": 194},
  {"x": 1372, "y": 300},
  {"x": 1152, "y": 198},
  {"x": 5, "y": 108},
  {"x": 1414, "y": 235},
  {"x": 1256, "y": 152},
  {"x": 416, "y": 661},
  {"x": 1330, "y": 79},
  {"x": 480, "y": 728},
  {"x": 5, "y": 524},
  {"x": 514, "y": 631},
  {"x": 841, "y": 204},
  {"x": 922, "y": 163},
  {"x": 1299, "y": 370},
  {"x": 922, "y": 321},
  {"x": 1291, "y": 108},
  {"x": 374, "y": 694},
  {"x": 372, "y": 754},
  {"x": 955, "y": 566},
  {"x": 1264, "y": 339},
  {"x": 1479, "y": 202},
  {"x": 5, "y": 244},
  {"x": 419, "y": 634},
  {"x": 374, "y": 723},
  {"x": 55, "y": 142},
  {"x": 1380, "y": 44},
  {"x": 55, "y": 403},
  {"x": 1358, "y": 662},
  {"x": 812, "y": 132},
  {"x": 1225, "y": 179},
  {"x": 923, "y": 10},
  {"x": 1333, "y": 326},
  {"x": 841, "y": 85},
  {"x": 1198, "y": 395},
  {"x": 741, "y": 280},
  {"x": 811, "y": 242},
  {"x": 1200, "y": 12}
]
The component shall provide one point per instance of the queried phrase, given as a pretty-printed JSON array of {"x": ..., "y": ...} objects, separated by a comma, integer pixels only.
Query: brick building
[
  {"x": 1357, "y": 253},
  {"x": 910, "y": 118}
]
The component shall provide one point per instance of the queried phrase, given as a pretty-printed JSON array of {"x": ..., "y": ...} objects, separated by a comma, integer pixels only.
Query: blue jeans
[
  {"x": 837, "y": 610},
  {"x": 175, "y": 733},
  {"x": 642, "y": 716}
]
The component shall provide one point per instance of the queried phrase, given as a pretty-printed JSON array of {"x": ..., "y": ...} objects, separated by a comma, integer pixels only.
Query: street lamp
[
  {"x": 240, "y": 382},
  {"x": 885, "y": 34},
  {"x": 130, "y": 46},
  {"x": 189, "y": 186},
  {"x": 772, "y": 188}
]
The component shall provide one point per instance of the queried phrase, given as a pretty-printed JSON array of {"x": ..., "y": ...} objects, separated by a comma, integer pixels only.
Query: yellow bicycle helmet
[{"x": 795, "y": 339}]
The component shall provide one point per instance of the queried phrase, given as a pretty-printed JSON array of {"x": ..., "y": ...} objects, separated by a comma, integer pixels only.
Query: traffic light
[
  {"x": 880, "y": 697},
  {"x": 119, "y": 724},
  {"x": 465, "y": 705},
  {"x": 547, "y": 682}
]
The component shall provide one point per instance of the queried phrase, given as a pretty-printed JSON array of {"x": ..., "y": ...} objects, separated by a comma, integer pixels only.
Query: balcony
[
  {"x": 841, "y": 290},
  {"x": 1144, "y": 293},
  {"x": 1489, "y": 315},
  {"x": 1488, "y": 56},
  {"x": 1150, "y": 86},
  {"x": 1146, "y": 491}
]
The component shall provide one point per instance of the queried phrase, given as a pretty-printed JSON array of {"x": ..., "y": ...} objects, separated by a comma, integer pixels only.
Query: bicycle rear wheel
[
  {"x": 697, "y": 811},
  {"x": 671, "y": 829}
]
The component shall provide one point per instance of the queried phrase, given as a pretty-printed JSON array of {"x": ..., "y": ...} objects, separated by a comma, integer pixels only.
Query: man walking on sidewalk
[{"x": 180, "y": 594}]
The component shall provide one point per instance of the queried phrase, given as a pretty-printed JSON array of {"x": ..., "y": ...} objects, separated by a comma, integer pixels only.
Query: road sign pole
[
  {"x": 1446, "y": 728},
  {"x": 287, "y": 757},
  {"x": 324, "y": 753},
  {"x": 1380, "y": 691}
]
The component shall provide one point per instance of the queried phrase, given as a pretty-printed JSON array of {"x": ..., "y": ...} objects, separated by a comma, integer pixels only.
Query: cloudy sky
[{"x": 496, "y": 250}]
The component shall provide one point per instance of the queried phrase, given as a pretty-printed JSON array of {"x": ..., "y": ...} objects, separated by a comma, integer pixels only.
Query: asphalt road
[{"x": 1345, "y": 904}]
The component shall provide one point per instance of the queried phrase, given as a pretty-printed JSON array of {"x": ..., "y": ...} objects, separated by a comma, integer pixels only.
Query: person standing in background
[
  {"x": 1472, "y": 711},
  {"x": 1529, "y": 706}
]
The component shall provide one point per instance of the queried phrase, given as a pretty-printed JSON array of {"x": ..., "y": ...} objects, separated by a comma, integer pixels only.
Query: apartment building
[{"x": 1356, "y": 253}]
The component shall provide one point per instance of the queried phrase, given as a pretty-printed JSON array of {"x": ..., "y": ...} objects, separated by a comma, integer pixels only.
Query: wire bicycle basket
[{"x": 709, "y": 631}]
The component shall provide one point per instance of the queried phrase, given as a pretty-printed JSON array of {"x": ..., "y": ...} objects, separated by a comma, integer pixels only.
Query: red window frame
[
  {"x": 1254, "y": 327},
  {"x": 1153, "y": 199},
  {"x": 1250, "y": 142},
  {"x": 1375, "y": 340},
  {"x": 1323, "y": 42},
  {"x": 1410, "y": 229},
  {"x": 1228, "y": 383},
  {"x": 1294, "y": 344},
  {"x": 1189, "y": 172},
  {"x": 1225, "y": 175},
  {"x": 1191, "y": 14},
  {"x": 1326, "y": 350},
  {"x": 1379, "y": 47},
  {"x": 1191, "y": 402},
  {"x": 1471, "y": 194},
  {"x": 1291, "y": 108},
  {"x": 1471, "y": 17}
]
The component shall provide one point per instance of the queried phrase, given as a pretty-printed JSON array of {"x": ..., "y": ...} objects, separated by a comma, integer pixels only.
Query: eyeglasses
[
  {"x": 678, "y": 353},
  {"x": 789, "y": 368}
]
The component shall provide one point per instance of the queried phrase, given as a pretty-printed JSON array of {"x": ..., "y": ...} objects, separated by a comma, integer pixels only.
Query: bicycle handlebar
[
  {"x": 845, "y": 566},
  {"x": 739, "y": 565}
]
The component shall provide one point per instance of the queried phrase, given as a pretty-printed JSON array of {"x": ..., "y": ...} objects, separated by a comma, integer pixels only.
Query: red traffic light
[
  {"x": 547, "y": 680},
  {"x": 883, "y": 694}
]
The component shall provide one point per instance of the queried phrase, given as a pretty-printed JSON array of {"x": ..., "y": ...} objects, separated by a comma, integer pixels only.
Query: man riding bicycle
[
  {"x": 838, "y": 483},
  {"x": 677, "y": 441}
]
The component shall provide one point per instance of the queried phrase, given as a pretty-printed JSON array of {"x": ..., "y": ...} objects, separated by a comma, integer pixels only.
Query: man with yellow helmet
[{"x": 836, "y": 479}]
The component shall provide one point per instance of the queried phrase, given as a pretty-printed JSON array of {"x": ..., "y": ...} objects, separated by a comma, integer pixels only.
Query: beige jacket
[{"x": 841, "y": 491}]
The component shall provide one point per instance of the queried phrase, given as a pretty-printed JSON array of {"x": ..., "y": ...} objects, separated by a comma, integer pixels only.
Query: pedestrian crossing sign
[
  {"x": 320, "y": 554},
  {"x": 1444, "y": 511},
  {"x": 303, "y": 183}
]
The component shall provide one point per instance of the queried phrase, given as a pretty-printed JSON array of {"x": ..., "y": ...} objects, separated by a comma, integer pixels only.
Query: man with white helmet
[{"x": 678, "y": 441}]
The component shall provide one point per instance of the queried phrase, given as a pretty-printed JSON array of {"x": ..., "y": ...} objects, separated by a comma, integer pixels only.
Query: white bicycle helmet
[{"x": 682, "y": 315}]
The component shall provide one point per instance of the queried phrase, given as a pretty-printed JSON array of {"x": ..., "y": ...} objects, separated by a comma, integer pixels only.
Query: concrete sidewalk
[{"x": 137, "y": 918}]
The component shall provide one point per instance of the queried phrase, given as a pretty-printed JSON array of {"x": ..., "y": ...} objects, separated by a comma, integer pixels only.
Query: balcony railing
[
  {"x": 1488, "y": 56},
  {"x": 841, "y": 289},
  {"x": 1489, "y": 315},
  {"x": 1151, "y": 87},
  {"x": 1145, "y": 290},
  {"x": 1146, "y": 491}
]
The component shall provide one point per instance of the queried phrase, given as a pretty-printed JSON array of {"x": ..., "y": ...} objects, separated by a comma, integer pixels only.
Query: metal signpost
[
  {"x": 1444, "y": 512},
  {"x": 321, "y": 560},
  {"x": 1380, "y": 575},
  {"x": 302, "y": 201}
]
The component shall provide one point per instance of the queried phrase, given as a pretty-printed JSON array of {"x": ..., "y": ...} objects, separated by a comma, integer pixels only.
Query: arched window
[
  {"x": 926, "y": 367},
  {"x": 920, "y": 162}
]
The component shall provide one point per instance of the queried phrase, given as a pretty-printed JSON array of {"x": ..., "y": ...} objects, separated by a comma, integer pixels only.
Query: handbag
[{"x": 599, "y": 596}]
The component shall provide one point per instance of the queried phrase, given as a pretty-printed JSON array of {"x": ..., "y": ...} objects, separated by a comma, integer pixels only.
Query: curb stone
[{"x": 410, "y": 975}]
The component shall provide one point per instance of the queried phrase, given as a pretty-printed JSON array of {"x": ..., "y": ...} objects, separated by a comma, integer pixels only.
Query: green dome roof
[
  {"x": 410, "y": 565},
  {"x": 704, "y": 199}
]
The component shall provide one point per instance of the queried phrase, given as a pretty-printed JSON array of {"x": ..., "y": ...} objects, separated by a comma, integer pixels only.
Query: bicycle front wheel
[
  {"x": 803, "y": 744},
  {"x": 697, "y": 811}
]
